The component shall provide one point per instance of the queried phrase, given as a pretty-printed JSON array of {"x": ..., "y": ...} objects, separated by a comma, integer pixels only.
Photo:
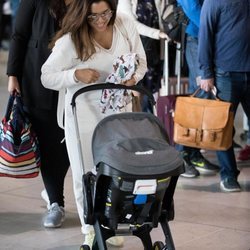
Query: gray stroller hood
[{"x": 134, "y": 143}]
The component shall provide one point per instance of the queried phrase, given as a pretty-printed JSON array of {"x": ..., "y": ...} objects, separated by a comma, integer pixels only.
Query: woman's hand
[
  {"x": 13, "y": 85},
  {"x": 87, "y": 75},
  {"x": 163, "y": 35},
  {"x": 130, "y": 82}
]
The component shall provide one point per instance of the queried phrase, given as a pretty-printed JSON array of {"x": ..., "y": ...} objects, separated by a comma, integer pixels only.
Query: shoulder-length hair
[{"x": 76, "y": 23}]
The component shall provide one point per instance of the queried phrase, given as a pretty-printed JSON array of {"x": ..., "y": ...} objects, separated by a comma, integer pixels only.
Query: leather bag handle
[{"x": 213, "y": 91}]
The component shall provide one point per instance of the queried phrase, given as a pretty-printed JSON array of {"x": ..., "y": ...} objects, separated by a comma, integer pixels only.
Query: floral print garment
[{"x": 123, "y": 69}]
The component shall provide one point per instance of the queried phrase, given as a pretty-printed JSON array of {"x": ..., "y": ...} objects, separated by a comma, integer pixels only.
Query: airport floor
[{"x": 205, "y": 217}]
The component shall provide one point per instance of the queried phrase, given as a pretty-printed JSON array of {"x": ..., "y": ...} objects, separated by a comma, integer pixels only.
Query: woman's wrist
[{"x": 74, "y": 77}]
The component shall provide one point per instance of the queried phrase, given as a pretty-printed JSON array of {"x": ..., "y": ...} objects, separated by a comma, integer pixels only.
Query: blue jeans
[
  {"x": 191, "y": 52},
  {"x": 194, "y": 72},
  {"x": 233, "y": 87}
]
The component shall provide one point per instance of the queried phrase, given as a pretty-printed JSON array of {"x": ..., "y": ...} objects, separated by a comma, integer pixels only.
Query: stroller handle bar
[{"x": 100, "y": 86}]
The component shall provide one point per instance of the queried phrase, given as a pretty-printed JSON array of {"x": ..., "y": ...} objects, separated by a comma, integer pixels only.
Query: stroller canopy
[{"x": 134, "y": 143}]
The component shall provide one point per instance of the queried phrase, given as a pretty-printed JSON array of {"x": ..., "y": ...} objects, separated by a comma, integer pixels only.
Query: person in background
[
  {"x": 223, "y": 53},
  {"x": 195, "y": 163},
  {"x": 1, "y": 22},
  {"x": 244, "y": 153},
  {"x": 147, "y": 18},
  {"x": 91, "y": 38},
  {"x": 36, "y": 23},
  {"x": 14, "y": 4},
  {"x": 5, "y": 24}
]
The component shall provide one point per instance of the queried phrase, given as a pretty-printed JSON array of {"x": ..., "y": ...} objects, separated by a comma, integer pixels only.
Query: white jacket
[
  {"x": 58, "y": 70},
  {"x": 129, "y": 7}
]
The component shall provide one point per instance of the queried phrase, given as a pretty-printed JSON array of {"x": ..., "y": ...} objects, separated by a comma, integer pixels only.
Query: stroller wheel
[
  {"x": 84, "y": 247},
  {"x": 158, "y": 245}
]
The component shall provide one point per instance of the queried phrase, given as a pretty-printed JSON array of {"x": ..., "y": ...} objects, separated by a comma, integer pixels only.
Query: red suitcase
[{"x": 171, "y": 88}]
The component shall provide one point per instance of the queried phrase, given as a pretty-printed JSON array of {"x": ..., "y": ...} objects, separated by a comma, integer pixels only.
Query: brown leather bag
[{"x": 203, "y": 123}]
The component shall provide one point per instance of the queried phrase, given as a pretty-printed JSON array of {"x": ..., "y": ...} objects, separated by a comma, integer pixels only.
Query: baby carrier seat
[{"x": 135, "y": 168}]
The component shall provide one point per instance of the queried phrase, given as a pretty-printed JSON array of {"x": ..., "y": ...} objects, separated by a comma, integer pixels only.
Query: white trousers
[{"x": 88, "y": 116}]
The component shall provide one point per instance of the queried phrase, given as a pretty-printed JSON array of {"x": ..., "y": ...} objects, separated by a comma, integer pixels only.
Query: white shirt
[{"x": 58, "y": 70}]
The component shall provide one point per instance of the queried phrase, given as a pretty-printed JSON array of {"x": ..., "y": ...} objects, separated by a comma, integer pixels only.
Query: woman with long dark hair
[{"x": 92, "y": 37}]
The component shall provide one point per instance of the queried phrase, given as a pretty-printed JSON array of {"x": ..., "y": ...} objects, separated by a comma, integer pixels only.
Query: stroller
[{"x": 137, "y": 172}]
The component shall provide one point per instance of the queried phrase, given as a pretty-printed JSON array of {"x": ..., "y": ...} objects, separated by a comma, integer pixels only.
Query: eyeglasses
[{"x": 105, "y": 16}]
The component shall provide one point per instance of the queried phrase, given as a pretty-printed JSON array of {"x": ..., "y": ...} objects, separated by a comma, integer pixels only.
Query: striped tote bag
[{"x": 19, "y": 148}]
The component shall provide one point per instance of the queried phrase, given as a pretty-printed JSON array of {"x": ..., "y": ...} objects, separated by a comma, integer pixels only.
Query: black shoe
[
  {"x": 190, "y": 171},
  {"x": 236, "y": 146},
  {"x": 204, "y": 166},
  {"x": 230, "y": 185}
]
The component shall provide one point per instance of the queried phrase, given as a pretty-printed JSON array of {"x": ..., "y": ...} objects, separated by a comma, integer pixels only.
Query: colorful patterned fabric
[
  {"x": 19, "y": 151},
  {"x": 123, "y": 69},
  {"x": 147, "y": 14}
]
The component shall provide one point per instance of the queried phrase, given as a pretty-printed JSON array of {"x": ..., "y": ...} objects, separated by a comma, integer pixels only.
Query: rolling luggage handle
[
  {"x": 101, "y": 86},
  {"x": 165, "y": 85}
]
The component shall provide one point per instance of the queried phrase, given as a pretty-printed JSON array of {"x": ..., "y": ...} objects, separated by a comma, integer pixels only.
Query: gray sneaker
[
  {"x": 190, "y": 171},
  {"x": 55, "y": 216},
  {"x": 230, "y": 185}
]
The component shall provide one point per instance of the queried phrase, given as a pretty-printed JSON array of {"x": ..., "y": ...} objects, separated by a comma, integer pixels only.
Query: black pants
[{"x": 54, "y": 157}]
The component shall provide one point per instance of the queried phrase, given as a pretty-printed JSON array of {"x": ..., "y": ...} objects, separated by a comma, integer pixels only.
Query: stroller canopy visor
[{"x": 134, "y": 143}]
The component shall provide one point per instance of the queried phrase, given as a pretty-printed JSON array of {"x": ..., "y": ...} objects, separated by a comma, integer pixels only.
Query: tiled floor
[{"x": 205, "y": 218}]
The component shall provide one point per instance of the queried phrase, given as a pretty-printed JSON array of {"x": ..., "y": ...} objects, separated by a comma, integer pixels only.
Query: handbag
[
  {"x": 19, "y": 148},
  {"x": 203, "y": 123}
]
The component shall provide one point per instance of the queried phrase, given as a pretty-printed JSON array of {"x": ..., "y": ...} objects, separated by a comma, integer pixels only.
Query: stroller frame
[{"x": 94, "y": 216}]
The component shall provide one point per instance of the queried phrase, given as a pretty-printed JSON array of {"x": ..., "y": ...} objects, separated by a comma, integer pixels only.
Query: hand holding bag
[
  {"x": 203, "y": 123},
  {"x": 19, "y": 149}
]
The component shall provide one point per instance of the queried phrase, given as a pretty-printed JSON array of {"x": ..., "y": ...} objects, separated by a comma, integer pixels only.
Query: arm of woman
[
  {"x": 126, "y": 7},
  {"x": 59, "y": 71}
]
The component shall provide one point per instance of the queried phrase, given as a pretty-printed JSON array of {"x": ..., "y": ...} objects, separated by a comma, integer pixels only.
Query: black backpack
[{"x": 174, "y": 21}]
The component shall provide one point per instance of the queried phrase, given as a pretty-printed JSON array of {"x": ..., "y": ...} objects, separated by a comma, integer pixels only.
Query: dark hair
[
  {"x": 76, "y": 23},
  {"x": 57, "y": 9}
]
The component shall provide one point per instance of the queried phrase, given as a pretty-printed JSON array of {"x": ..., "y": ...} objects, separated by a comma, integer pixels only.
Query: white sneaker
[
  {"x": 116, "y": 241},
  {"x": 89, "y": 238},
  {"x": 45, "y": 197}
]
